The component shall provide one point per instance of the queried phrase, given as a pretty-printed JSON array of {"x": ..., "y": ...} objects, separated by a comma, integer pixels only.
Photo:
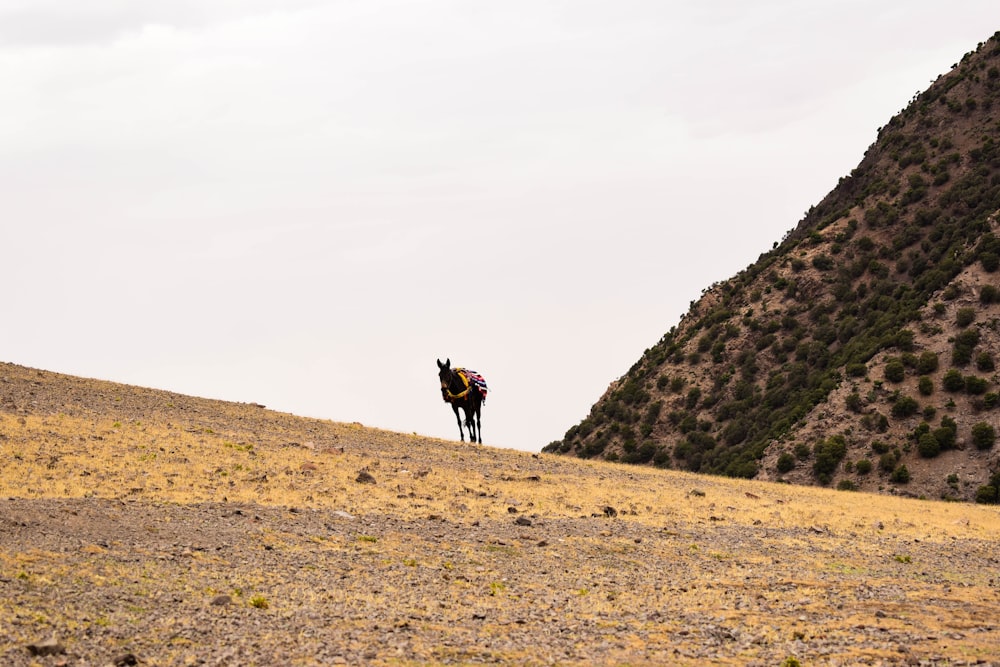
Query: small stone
[
  {"x": 343, "y": 515},
  {"x": 50, "y": 646},
  {"x": 126, "y": 660},
  {"x": 697, "y": 492},
  {"x": 522, "y": 521},
  {"x": 365, "y": 477},
  {"x": 610, "y": 511},
  {"x": 512, "y": 510},
  {"x": 221, "y": 601}
]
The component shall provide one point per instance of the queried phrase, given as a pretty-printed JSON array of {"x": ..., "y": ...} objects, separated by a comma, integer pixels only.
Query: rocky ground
[{"x": 139, "y": 527}]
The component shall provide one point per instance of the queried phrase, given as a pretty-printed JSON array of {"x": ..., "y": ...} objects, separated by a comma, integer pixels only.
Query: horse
[{"x": 464, "y": 389}]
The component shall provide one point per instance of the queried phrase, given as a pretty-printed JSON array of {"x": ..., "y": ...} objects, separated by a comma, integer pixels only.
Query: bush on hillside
[
  {"x": 984, "y": 362},
  {"x": 927, "y": 363},
  {"x": 953, "y": 381},
  {"x": 895, "y": 371},
  {"x": 905, "y": 406},
  {"x": 983, "y": 435},
  {"x": 976, "y": 385},
  {"x": 965, "y": 317},
  {"x": 928, "y": 446},
  {"x": 828, "y": 455}
]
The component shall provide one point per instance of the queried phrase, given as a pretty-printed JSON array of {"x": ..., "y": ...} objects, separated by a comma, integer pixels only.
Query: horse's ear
[
  {"x": 447, "y": 362},
  {"x": 440, "y": 365}
]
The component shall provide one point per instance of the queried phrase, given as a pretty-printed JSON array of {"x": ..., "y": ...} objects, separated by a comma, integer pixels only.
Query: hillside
[
  {"x": 861, "y": 350},
  {"x": 151, "y": 528}
]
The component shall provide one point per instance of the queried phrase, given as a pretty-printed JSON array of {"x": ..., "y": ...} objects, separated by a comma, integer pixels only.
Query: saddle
[{"x": 472, "y": 381}]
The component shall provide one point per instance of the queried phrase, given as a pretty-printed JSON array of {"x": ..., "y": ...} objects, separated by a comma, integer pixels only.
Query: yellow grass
[{"x": 789, "y": 553}]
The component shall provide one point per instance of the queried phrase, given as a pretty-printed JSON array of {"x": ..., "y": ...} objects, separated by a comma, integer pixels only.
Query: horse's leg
[
  {"x": 479, "y": 424},
  {"x": 469, "y": 423},
  {"x": 461, "y": 434}
]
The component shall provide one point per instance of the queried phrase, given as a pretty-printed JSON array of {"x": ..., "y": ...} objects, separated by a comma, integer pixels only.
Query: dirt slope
[{"x": 146, "y": 527}]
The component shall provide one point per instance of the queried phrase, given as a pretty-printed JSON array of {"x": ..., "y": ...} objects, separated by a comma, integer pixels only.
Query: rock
[
  {"x": 220, "y": 601},
  {"x": 365, "y": 477},
  {"x": 697, "y": 492},
  {"x": 127, "y": 659},
  {"x": 343, "y": 515},
  {"x": 610, "y": 511},
  {"x": 50, "y": 646},
  {"x": 522, "y": 521}
]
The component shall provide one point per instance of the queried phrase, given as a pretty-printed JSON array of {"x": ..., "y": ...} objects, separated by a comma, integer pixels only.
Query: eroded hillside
[{"x": 861, "y": 350}]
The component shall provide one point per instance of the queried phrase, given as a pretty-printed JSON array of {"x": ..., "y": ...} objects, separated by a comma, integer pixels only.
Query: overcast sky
[{"x": 305, "y": 203}]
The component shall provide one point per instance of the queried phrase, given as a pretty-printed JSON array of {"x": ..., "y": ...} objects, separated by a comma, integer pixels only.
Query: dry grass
[{"x": 433, "y": 569}]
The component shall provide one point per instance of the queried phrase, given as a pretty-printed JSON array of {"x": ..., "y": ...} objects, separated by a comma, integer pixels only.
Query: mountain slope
[{"x": 869, "y": 331}]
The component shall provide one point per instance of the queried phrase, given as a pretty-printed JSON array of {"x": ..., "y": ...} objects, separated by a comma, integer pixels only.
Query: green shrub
[
  {"x": 991, "y": 400},
  {"x": 965, "y": 317},
  {"x": 887, "y": 461},
  {"x": 947, "y": 433},
  {"x": 925, "y": 385},
  {"x": 990, "y": 261},
  {"x": 984, "y": 362},
  {"x": 989, "y": 294},
  {"x": 802, "y": 451},
  {"x": 927, "y": 363},
  {"x": 928, "y": 446},
  {"x": 846, "y": 485},
  {"x": 853, "y": 402},
  {"x": 953, "y": 381},
  {"x": 905, "y": 406},
  {"x": 879, "y": 447},
  {"x": 693, "y": 396},
  {"x": 863, "y": 467},
  {"x": 987, "y": 495},
  {"x": 856, "y": 370},
  {"x": 786, "y": 462},
  {"x": 900, "y": 475},
  {"x": 983, "y": 435},
  {"x": 976, "y": 385},
  {"x": 828, "y": 455},
  {"x": 822, "y": 262},
  {"x": 895, "y": 371},
  {"x": 965, "y": 343}
]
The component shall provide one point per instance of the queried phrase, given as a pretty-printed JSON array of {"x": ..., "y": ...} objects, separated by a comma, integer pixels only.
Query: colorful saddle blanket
[{"x": 472, "y": 379}]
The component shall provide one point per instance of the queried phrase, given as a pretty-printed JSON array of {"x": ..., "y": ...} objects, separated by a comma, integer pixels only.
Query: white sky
[{"x": 305, "y": 203}]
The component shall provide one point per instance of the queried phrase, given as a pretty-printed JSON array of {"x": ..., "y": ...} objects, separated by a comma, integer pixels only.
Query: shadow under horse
[{"x": 464, "y": 389}]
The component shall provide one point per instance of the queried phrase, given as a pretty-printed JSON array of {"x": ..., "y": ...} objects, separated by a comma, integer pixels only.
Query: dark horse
[{"x": 464, "y": 389}]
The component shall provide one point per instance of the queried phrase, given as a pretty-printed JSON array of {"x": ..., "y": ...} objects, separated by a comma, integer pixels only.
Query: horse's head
[{"x": 444, "y": 373}]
